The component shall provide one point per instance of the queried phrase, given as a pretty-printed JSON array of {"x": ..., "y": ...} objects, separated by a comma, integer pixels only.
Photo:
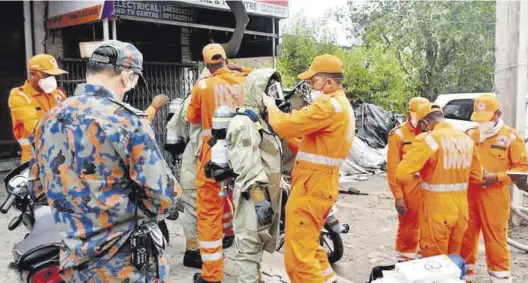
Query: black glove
[{"x": 264, "y": 212}]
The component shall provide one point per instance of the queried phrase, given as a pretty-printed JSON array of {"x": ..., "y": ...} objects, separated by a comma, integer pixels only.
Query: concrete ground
[{"x": 369, "y": 243}]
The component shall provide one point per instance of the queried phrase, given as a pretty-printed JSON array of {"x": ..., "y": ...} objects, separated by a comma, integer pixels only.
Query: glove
[{"x": 262, "y": 206}]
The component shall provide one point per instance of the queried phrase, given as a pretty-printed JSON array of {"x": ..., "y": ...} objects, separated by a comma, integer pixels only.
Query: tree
[
  {"x": 442, "y": 47},
  {"x": 371, "y": 74},
  {"x": 302, "y": 41}
]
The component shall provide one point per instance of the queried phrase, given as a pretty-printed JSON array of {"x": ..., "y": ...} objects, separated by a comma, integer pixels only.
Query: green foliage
[
  {"x": 374, "y": 76},
  {"x": 301, "y": 42},
  {"x": 442, "y": 46},
  {"x": 408, "y": 48},
  {"x": 371, "y": 74}
]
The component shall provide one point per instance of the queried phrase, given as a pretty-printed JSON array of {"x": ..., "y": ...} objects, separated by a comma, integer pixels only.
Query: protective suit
[
  {"x": 501, "y": 149},
  {"x": 224, "y": 88},
  {"x": 254, "y": 152},
  {"x": 181, "y": 133},
  {"x": 400, "y": 142},
  {"x": 447, "y": 161}
]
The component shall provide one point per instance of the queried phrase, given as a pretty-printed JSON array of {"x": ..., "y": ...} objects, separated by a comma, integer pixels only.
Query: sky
[{"x": 317, "y": 9}]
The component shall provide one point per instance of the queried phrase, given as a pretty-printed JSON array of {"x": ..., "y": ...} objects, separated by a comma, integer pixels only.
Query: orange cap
[
  {"x": 323, "y": 64},
  {"x": 415, "y": 102},
  {"x": 426, "y": 109},
  {"x": 484, "y": 108},
  {"x": 45, "y": 63},
  {"x": 212, "y": 50}
]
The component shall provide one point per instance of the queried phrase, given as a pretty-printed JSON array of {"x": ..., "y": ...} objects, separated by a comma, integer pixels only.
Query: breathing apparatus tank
[{"x": 218, "y": 168}]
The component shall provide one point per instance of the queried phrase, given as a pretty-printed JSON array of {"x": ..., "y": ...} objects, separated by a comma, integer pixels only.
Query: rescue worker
[
  {"x": 327, "y": 128},
  {"x": 254, "y": 152},
  {"x": 501, "y": 149},
  {"x": 223, "y": 88},
  {"x": 446, "y": 160},
  {"x": 28, "y": 103},
  {"x": 187, "y": 135},
  {"x": 97, "y": 161},
  {"x": 407, "y": 198}
]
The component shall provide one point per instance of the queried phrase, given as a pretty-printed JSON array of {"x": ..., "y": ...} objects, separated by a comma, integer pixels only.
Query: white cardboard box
[{"x": 437, "y": 269}]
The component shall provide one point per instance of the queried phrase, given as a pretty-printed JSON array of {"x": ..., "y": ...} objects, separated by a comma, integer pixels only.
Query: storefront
[{"x": 170, "y": 34}]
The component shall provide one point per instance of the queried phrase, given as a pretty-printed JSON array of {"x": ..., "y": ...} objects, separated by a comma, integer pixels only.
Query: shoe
[
  {"x": 198, "y": 279},
  {"x": 227, "y": 242},
  {"x": 193, "y": 259}
]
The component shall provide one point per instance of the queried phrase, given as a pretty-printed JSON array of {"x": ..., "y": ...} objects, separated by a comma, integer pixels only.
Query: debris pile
[{"x": 368, "y": 154}]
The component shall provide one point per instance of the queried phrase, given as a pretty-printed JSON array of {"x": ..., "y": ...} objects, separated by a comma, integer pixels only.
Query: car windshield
[{"x": 460, "y": 109}]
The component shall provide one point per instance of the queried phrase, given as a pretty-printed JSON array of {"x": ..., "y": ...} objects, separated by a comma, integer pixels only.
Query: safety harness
[{"x": 253, "y": 117}]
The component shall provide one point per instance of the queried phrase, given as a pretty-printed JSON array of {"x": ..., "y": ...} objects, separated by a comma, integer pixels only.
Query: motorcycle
[
  {"x": 36, "y": 257},
  {"x": 330, "y": 237}
]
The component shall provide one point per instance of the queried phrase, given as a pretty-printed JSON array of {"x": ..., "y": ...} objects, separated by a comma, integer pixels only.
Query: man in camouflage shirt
[{"x": 93, "y": 154}]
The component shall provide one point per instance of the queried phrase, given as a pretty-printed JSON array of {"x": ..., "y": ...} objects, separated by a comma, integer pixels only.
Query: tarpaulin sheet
[
  {"x": 362, "y": 159},
  {"x": 374, "y": 123}
]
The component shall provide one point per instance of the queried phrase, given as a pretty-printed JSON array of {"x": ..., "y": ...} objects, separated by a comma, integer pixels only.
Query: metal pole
[
  {"x": 520, "y": 111},
  {"x": 511, "y": 47},
  {"x": 114, "y": 29},
  {"x": 28, "y": 30},
  {"x": 273, "y": 43},
  {"x": 106, "y": 32}
]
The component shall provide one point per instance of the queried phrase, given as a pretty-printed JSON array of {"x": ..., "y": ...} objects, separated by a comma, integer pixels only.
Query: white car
[{"x": 458, "y": 108}]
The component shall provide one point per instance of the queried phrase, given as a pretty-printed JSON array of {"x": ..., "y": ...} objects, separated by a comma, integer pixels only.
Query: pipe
[
  {"x": 273, "y": 44},
  {"x": 28, "y": 30},
  {"x": 106, "y": 32},
  {"x": 114, "y": 29}
]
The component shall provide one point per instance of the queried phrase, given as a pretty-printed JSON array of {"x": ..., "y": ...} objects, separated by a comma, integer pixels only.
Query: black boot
[
  {"x": 192, "y": 258},
  {"x": 198, "y": 279}
]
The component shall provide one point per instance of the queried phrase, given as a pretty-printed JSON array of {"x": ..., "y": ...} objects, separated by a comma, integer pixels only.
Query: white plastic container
[{"x": 437, "y": 269}]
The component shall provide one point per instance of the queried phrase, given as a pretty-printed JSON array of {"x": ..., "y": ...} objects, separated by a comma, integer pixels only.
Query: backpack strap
[{"x": 253, "y": 117}]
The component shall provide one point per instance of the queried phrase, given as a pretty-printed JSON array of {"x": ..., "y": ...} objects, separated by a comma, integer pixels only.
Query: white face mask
[
  {"x": 315, "y": 94},
  {"x": 48, "y": 84},
  {"x": 486, "y": 126},
  {"x": 412, "y": 119},
  {"x": 131, "y": 82}
]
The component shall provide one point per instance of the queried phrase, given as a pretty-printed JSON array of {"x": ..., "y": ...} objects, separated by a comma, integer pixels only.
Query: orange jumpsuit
[
  {"x": 327, "y": 127},
  {"x": 489, "y": 208},
  {"x": 447, "y": 160},
  {"x": 224, "y": 88},
  {"x": 400, "y": 142},
  {"x": 28, "y": 106}
]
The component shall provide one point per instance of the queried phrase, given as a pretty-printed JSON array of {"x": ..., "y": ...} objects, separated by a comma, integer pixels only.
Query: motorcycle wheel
[{"x": 332, "y": 243}]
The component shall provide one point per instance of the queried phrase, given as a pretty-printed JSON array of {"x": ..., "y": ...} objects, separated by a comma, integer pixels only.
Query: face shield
[{"x": 274, "y": 90}]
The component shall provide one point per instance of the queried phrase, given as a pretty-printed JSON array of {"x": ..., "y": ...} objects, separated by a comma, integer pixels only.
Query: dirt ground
[{"x": 369, "y": 243}]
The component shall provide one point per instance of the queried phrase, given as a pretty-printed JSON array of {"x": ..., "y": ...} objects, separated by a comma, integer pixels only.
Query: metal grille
[{"x": 172, "y": 79}]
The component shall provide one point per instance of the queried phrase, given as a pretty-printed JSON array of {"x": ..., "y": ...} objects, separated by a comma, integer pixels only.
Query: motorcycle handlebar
[{"x": 8, "y": 203}]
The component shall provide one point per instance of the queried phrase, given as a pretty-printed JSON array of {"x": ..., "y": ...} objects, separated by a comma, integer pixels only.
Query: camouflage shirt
[{"x": 90, "y": 154}]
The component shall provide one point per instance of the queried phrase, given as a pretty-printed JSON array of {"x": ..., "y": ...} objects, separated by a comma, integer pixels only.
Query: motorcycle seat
[
  {"x": 43, "y": 234},
  {"x": 40, "y": 256}
]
